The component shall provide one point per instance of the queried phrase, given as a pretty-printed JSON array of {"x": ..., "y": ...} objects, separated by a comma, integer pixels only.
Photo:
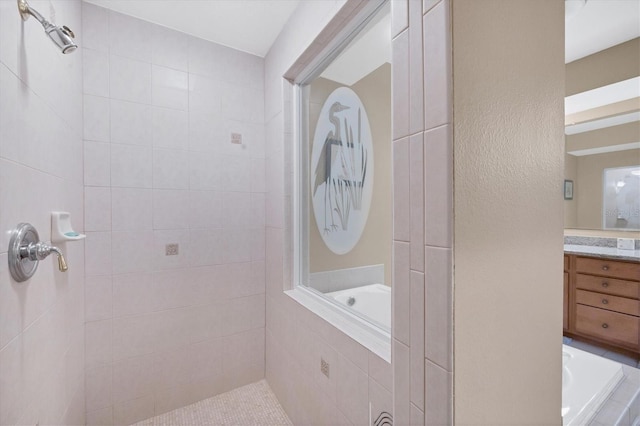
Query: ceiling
[
  {"x": 248, "y": 25},
  {"x": 366, "y": 53},
  {"x": 598, "y": 25},
  {"x": 241, "y": 24}
]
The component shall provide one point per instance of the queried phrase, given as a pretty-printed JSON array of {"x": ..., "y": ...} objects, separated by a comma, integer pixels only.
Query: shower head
[{"x": 61, "y": 36}]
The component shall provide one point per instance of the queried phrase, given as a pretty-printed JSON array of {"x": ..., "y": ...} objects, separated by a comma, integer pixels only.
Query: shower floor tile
[{"x": 253, "y": 404}]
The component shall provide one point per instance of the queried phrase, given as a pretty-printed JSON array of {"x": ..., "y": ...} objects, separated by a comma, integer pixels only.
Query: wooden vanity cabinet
[
  {"x": 602, "y": 300},
  {"x": 565, "y": 318}
]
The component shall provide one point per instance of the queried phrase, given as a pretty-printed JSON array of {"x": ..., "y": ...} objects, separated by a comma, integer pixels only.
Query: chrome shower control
[{"x": 26, "y": 250}]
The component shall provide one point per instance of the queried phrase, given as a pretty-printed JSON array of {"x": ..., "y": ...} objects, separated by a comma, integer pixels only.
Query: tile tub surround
[
  {"x": 159, "y": 107},
  {"x": 623, "y": 406},
  {"x": 41, "y": 320}
]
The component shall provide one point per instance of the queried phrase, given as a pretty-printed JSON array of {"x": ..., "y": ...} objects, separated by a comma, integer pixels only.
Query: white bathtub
[
  {"x": 371, "y": 301},
  {"x": 587, "y": 381}
]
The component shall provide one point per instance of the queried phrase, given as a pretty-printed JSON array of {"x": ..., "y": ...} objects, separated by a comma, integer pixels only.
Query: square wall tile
[
  {"x": 134, "y": 378},
  {"x": 416, "y": 352},
  {"x": 417, "y": 416},
  {"x": 97, "y": 208},
  {"x": 97, "y": 163},
  {"x": 98, "y": 388},
  {"x": 353, "y": 391},
  {"x": 399, "y": 16},
  {"x": 170, "y": 169},
  {"x": 438, "y": 187},
  {"x": 98, "y": 253},
  {"x": 438, "y": 307},
  {"x": 96, "y": 118},
  {"x": 98, "y": 344},
  {"x": 437, "y": 66},
  {"x": 170, "y": 128},
  {"x": 205, "y": 209},
  {"x": 95, "y": 72},
  {"x": 130, "y": 123},
  {"x": 380, "y": 399},
  {"x": 401, "y": 191},
  {"x": 95, "y": 27},
  {"x": 438, "y": 395},
  {"x": 130, "y": 80},
  {"x": 416, "y": 72},
  {"x": 98, "y": 298},
  {"x": 401, "y": 383},
  {"x": 129, "y": 36},
  {"x": 130, "y": 251},
  {"x": 401, "y": 292},
  {"x": 400, "y": 84},
  {"x": 170, "y": 48},
  {"x": 131, "y": 166},
  {"x": 170, "y": 209},
  {"x": 416, "y": 195},
  {"x": 131, "y": 209},
  {"x": 170, "y": 88}
]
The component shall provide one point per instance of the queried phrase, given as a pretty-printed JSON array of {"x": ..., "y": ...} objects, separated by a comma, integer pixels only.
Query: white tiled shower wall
[
  {"x": 296, "y": 338},
  {"x": 42, "y": 320},
  {"x": 159, "y": 109}
]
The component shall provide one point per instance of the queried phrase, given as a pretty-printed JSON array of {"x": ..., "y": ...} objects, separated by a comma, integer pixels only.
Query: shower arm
[{"x": 26, "y": 11}]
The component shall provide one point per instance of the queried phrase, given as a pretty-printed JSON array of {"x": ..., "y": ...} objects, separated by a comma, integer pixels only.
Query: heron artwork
[{"x": 324, "y": 165}]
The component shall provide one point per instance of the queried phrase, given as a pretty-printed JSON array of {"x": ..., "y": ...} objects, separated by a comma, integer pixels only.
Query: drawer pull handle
[
  {"x": 605, "y": 301},
  {"x": 605, "y": 267},
  {"x": 605, "y": 284},
  {"x": 605, "y": 325}
]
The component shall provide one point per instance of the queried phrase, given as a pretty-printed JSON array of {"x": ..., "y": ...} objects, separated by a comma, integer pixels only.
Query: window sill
[{"x": 371, "y": 337}]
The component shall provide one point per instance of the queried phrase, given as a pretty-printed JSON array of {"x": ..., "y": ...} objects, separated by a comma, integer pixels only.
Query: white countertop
[{"x": 610, "y": 252}]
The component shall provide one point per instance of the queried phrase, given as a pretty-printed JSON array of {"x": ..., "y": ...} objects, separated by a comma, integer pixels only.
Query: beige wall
[
  {"x": 374, "y": 246},
  {"x": 588, "y": 184},
  {"x": 571, "y": 206},
  {"x": 609, "y": 66},
  {"x": 508, "y": 147}
]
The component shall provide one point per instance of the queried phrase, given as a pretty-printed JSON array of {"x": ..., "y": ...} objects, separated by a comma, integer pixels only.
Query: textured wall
[
  {"x": 41, "y": 320},
  {"x": 159, "y": 107},
  {"x": 509, "y": 152}
]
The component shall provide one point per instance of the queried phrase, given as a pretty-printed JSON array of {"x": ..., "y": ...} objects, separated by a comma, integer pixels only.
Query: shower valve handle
[{"x": 40, "y": 250}]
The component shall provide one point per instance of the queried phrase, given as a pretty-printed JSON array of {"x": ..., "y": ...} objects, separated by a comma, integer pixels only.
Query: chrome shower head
[{"x": 61, "y": 36}]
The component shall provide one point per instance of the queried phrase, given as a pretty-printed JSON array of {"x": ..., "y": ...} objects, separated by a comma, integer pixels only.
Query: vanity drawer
[
  {"x": 608, "y": 285},
  {"x": 606, "y": 301},
  {"x": 609, "y": 268},
  {"x": 607, "y": 325},
  {"x": 566, "y": 262},
  {"x": 565, "y": 318}
]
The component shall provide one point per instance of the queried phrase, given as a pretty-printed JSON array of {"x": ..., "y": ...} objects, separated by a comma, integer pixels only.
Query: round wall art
[{"x": 342, "y": 170}]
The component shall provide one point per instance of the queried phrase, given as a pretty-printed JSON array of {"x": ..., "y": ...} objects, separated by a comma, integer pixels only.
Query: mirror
[
  {"x": 346, "y": 164},
  {"x": 602, "y": 157}
]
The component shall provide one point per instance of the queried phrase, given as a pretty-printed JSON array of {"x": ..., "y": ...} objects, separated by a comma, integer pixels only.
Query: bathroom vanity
[{"x": 602, "y": 295}]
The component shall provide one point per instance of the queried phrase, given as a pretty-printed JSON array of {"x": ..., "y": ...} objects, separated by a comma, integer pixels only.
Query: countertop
[{"x": 605, "y": 252}]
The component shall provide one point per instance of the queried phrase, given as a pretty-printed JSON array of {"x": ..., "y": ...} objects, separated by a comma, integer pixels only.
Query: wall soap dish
[{"x": 61, "y": 229}]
